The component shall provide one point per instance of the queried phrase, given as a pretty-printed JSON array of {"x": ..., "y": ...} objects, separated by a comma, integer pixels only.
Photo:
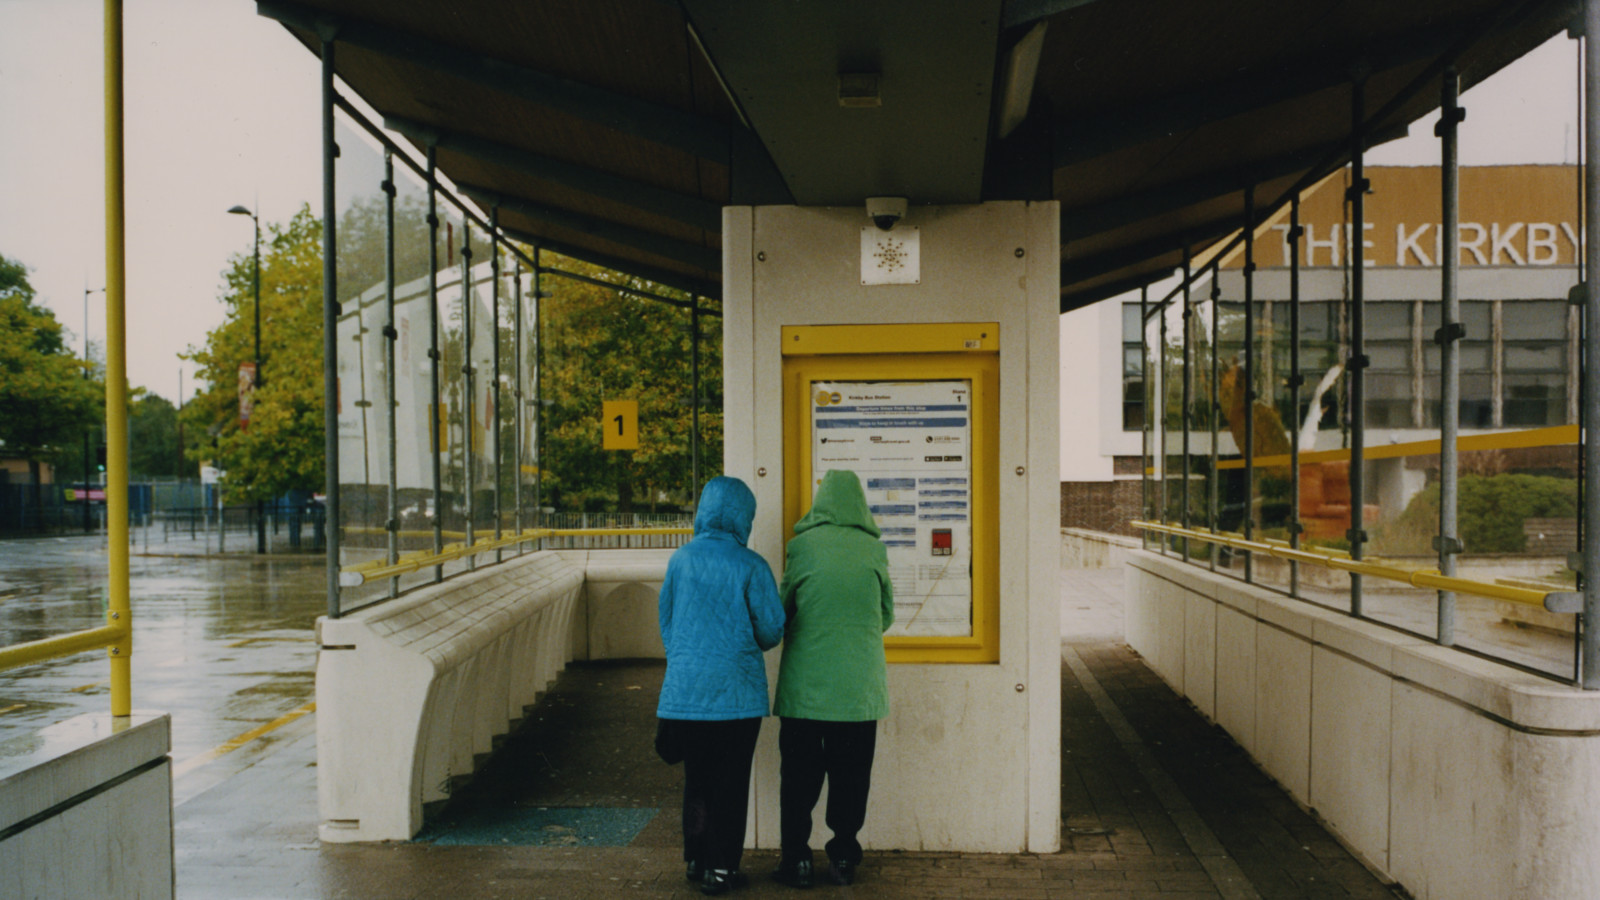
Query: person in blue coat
[{"x": 719, "y": 612}]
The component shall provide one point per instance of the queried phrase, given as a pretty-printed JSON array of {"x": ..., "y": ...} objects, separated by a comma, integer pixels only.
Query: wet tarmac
[{"x": 222, "y": 643}]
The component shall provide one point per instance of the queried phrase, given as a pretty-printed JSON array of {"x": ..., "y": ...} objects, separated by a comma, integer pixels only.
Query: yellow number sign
[{"x": 619, "y": 422}]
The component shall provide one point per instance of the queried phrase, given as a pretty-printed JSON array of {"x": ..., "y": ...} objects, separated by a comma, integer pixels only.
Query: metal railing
[
  {"x": 378, "y": 569},
  {"x": 1432, "y": 579}
]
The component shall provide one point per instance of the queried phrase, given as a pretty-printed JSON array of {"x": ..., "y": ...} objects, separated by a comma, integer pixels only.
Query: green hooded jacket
[{"x": 837, "y": 594}]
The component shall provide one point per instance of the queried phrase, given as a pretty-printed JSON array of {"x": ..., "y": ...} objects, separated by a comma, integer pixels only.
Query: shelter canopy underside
[{"x": 615, "y": 130}]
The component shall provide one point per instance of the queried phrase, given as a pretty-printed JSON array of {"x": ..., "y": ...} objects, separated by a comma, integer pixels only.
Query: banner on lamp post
[{"x": 247, "y": 388}]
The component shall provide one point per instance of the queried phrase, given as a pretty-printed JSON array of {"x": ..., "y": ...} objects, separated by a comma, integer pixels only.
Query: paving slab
[{"x": 1156, "y": 803}]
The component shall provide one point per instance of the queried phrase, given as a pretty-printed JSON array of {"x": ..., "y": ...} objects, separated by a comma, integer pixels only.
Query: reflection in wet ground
[{"x": 221, "y": 643}]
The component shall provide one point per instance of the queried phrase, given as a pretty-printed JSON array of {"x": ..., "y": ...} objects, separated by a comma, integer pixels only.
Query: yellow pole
[{"x": 118, "y": 614}]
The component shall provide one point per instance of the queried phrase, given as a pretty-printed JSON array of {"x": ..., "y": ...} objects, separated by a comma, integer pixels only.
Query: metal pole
[
  {"x": 1295, "y": 381},
  {"x": 1249, "y": 375},
  {"x": 1591, "y": 352},
  {"x": 494, "y": 385},
  {"x": 469, "y": 398},
  {"x": 1356, "y": 370},
  {"x": 1214, "y": 492},
  {"x": 519, "y": 416},
  {"x": 437, "y": 422},
  {"x": 255, "y": 376},
  {"x": 1188, "y": 425},
  {"x": 330, "y": 332},
  {"x": 694, "y": 422},
  {"x": 391, "y": 524},
  {"x": 119, "y": 613},
  {"x": 1450, "y": 331}
]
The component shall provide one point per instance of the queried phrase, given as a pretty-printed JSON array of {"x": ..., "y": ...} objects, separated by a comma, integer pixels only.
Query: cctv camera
[{"x": 885, "y": 211}]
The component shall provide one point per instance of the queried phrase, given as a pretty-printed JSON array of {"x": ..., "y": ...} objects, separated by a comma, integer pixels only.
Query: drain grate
[{"x": 538, "y": 827}]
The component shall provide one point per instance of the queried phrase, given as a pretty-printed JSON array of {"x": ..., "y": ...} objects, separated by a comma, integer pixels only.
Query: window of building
[
  {"x": 1476, "y": 351},
  {"x": 1132, "y": 370},
  {"x": 1388, "y": 378},
  {"x": 1534, "y": 386}
]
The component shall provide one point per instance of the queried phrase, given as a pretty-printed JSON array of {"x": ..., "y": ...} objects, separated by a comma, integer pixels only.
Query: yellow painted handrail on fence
[
  {"x": 1554, "y": 601},
  {"x": 375, "y": 570}
]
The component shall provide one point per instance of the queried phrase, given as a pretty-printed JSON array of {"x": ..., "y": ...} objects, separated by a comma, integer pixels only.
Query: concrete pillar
[{"x": 969, "y": 758}]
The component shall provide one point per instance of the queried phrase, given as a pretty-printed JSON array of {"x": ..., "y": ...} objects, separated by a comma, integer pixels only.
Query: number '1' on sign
[{"x": 619, "y": 421}]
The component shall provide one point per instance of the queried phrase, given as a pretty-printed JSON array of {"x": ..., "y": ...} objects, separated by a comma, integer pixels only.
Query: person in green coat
[{"x": 833, "y": 684}]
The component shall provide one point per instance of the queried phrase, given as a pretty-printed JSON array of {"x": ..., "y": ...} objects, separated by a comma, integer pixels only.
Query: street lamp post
[{"x": 255, "y": 378}]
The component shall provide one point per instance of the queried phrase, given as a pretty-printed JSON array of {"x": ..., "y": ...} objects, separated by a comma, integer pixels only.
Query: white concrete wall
[
  {"x": 969, "y": 758},
  {"x": 1455, "y": 776},
  {"x": 86, "y": 807},
  {"x": 413, "y": 691}
]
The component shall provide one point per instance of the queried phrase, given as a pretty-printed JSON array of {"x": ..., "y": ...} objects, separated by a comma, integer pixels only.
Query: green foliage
[
  {"x": 282, "y": 449},
  {"x": 46, "y": 402},
  {"x": 1490, "y": 513},
  {"x": 603, "y": 344},
  {"x": 153, "y": 439}
]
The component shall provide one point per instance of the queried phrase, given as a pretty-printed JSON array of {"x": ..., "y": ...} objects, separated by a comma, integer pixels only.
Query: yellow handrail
[
  {"x": 375, "y": 570},
  {"x": 1422, "y": 578},
  {"x": 31, "y": 652}
]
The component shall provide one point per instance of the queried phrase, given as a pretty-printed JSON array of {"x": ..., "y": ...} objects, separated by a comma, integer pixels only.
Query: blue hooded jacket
[{"x": 719, "y": 611}]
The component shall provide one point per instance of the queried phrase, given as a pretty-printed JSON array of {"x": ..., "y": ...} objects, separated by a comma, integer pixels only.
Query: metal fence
[{"x": 1414, "y": 435}]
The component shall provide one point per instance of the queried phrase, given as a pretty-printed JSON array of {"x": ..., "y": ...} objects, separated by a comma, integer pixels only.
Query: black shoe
[
  {"x": 693, "y": 872},
  {"x": 721, "y": 881},
  {"x": 841, "y": 872},
  {"x": 795, "y": 874}
]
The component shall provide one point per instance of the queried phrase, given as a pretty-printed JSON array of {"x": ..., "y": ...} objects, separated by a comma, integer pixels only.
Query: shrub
[{"x": 1490, "y": 511}]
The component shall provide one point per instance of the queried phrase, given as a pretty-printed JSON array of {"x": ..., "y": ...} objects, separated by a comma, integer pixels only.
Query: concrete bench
[{"x": 412, "y": 692}]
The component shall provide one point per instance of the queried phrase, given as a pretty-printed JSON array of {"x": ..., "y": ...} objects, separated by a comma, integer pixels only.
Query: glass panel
[
  {"x": 1232, "y": 490},
  {"x": 506, "y": 412},
  {"x": 1153, "y": 479},
  {"x": 1389, "y": 347},
  {"x": 1274, "y": 412},
  {"x": 481, "y": 413},
  {"x": 1200, "y": 415},
  {"x": 1518, "y": 520},
  {"x": 450, "y": 418},
  {"x": 1324, "y": 487},
  {"x": 362, "y": 373},
  {"x": 1172, "y": 412},
  {"x": 1535, "y": 361},
  {"x": 413, "y": 370}
]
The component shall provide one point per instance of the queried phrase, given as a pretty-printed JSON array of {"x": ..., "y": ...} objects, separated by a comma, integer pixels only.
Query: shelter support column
[
  {"x": 1450, "y": 331},
  {"x": 118, "y": 611},
  {"x": 1591, "y": 352},
  {"x": 969, "y": 755}
]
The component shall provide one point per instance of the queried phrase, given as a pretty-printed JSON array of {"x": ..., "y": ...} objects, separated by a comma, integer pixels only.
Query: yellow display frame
[{"x": 934, "y": 352}]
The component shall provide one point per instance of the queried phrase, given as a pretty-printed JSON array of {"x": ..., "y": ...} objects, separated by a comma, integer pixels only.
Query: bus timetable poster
[{"x": 910, "y": 443}]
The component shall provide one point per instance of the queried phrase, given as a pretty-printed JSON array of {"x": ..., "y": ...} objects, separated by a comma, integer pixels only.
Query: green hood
[{"x": 839, "y": 501}]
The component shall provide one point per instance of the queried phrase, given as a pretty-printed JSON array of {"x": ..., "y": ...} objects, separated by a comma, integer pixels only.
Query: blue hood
[{"x": 726, "y": 506}]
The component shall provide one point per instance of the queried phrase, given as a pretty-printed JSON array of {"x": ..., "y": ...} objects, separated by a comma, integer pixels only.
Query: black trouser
[
  {"x": 841, "y": 751},
  {"x": 716, "y": 789}
]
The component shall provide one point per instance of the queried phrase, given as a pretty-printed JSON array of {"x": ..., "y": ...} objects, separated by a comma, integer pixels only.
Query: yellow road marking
[
  {"x": 87, "y": 687},
  {"x": 223, "y": 749},
  {"x": 12, "y": 708}
]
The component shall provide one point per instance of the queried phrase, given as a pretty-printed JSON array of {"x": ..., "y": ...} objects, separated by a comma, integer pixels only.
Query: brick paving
[{"x": 1156, "y": 803}]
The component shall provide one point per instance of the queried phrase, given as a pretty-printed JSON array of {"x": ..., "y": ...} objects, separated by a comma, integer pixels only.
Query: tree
[
  {"x": 153, "y": 438},
  {"x": 607, "y": 344},
  {"x": 46, "y": 401},
  {"x": 282, "y": 447}
]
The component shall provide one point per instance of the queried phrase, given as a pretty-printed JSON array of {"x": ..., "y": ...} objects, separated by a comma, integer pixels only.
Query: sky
[{"x": 222, "y": 109}]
